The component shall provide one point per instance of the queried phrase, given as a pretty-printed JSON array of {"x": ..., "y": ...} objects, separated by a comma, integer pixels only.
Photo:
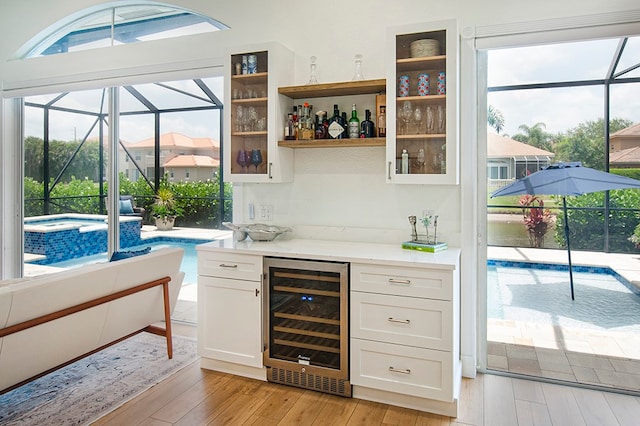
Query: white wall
[{"x": 336, "y": 193}]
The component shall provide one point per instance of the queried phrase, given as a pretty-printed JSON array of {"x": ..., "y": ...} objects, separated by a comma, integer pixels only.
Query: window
[{"x": 112, "y": 26}]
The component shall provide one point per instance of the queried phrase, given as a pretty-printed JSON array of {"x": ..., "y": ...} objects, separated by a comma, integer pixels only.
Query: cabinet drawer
[
  {"x": 404, "y": 320},
  {"x": 403, "y": 281},
  {"x": 229, "y": 265},
  {"x": 412, "y": 371}
]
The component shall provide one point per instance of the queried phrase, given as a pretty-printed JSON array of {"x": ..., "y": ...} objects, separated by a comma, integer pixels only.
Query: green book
[{"x": 429, "y": 248}]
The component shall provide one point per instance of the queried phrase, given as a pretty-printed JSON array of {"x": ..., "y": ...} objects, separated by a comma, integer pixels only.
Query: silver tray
[{"x": 256, "y": 231}]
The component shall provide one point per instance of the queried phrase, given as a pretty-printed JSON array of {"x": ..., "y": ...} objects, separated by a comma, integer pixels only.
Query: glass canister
[
  {"x": 441, "y": 83},
  {"x": 403, "y": 86},
  {"x": 423, "y": 84}
]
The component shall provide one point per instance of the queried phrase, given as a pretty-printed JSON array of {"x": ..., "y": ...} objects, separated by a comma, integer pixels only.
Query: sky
[{"x": 562, "y": 109}]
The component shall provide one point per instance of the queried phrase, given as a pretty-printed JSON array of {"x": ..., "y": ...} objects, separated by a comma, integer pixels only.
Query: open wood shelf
[
  {"x": 324, "y": 90},
  {"x": 422, "y": 64},
  {"x": 334, "y": 143}
]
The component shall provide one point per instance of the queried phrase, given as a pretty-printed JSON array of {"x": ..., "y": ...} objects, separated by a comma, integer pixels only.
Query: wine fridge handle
[{"x": 395, "y": 370}]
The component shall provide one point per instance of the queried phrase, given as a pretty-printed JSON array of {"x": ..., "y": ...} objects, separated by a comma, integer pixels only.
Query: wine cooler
[{"x": 306, "y": 324}]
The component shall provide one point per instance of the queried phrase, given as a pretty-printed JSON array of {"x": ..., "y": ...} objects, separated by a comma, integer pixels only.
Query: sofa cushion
[
  {"x": 126, "y": 207},
  {"x": 126, "y": 254}
]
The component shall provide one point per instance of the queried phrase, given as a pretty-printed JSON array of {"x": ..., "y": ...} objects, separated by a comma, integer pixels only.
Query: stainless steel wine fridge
[{"x": 306, "y": 324}]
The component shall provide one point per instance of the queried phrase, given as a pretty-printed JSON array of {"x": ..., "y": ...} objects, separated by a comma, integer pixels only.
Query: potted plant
[{"x": 165, "y": 210}]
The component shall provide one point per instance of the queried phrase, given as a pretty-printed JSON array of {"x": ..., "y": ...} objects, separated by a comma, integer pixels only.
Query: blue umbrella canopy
[{"x": 567, "y": 179}]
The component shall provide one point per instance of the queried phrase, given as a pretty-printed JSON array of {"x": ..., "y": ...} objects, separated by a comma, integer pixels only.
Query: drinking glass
[
  {"x": 430, "y": 120},
  {"x": 239, "y": 118},
  {"x": 358, "y": 73},
  {"x": 243, "y": 159},
  {"x": 256, "y": 158},
  {"x": 313, "y": 79},
  {"x": 440, "y": 119}
]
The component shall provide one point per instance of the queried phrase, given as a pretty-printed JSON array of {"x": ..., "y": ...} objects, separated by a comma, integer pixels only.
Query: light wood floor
[{"x": 194, "y": 396}]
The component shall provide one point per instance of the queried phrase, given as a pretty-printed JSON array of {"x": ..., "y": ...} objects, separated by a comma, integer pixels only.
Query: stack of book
[{"x": 420, "y": 246}]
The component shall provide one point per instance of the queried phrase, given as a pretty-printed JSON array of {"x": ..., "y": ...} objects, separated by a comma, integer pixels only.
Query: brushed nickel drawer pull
[
  {"x": 391, "y": 319},
  {"x": 395, "y": 370},
  {"x": 397, "y": 281},
  {"x": 225, "y": 265}
]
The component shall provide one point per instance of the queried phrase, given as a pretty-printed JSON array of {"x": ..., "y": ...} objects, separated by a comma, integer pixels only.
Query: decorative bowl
[
  {"x": 256, "y": 231},
  {"x": 424, "y": 47}
]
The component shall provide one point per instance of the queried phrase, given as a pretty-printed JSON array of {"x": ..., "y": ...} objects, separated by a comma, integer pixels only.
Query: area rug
[{"x": 94, "y": 386}]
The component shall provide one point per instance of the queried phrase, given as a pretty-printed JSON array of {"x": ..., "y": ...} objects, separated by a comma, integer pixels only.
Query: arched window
[{"x": 118, "y": 24}]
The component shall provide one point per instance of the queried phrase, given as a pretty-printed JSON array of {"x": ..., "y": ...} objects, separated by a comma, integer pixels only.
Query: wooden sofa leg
[{"x": 167, "y": 319}]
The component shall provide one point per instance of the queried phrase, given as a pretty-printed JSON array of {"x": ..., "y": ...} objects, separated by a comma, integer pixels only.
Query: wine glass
[
  {"x": 421, "y": 160},
  {"x": 358, "y": 73},
  {"x": 243, "y": 159},
  {"x": 406, "y": 114},
  {"x": 239, "y": 118},
  {"x": 418, "y": 117},
  {"x": 256, "y": 158}
]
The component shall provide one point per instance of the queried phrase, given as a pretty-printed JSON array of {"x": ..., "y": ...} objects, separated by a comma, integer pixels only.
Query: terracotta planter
[{"x": 164, "y": 223}]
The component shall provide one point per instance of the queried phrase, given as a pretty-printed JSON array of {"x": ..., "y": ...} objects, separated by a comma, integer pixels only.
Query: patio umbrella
[{"x": 567, "y": 179}]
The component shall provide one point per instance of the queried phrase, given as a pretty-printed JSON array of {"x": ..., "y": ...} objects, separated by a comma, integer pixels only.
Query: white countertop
[{"x": 342, "y": 251}]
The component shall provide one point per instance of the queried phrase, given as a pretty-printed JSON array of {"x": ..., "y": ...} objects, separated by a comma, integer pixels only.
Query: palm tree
[
  {"x": 535, "y": 136},
  {"x": 495, "y": 118}
]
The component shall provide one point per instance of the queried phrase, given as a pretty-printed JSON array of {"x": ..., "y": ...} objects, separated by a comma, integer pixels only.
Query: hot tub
[{"x": 66, "y": 236}]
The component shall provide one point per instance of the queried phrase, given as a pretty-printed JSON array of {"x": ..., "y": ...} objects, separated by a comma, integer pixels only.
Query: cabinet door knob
[
  {"x": 396, "y": 281},
  {"x": 401, "y": 321},
  {"x": 226, "y": 265},
  {"x": 396, "y": 370}
]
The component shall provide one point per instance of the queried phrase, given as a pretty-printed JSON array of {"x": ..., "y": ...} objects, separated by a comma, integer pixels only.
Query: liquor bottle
[
  {"x": 289, "y": 128},
  {"x": 368, "y": 128},
  {"x": 336, "y": 125},
  {"x": 382, "y": 122},
  {"x": 404, "y": 164},
  {"x": 322, "y": 125},
  {"x": 307, "y": 130},
  {"x": 354, "y": 124},
  {"x": 295, "y": 122}
]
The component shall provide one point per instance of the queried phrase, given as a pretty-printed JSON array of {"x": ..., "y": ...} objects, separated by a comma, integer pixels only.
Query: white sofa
[{"x": 62, "y": 337}]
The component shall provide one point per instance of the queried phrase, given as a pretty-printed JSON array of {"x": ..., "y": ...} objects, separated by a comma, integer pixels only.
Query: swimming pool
[
  {"x": 189, "y": 261},
  {"x": 540, "y": 293}
]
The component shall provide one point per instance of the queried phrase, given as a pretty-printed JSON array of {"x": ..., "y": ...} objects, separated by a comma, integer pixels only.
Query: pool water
[
  {"x": 189, "y": 261},
  {"x": 603, "y": 301}
]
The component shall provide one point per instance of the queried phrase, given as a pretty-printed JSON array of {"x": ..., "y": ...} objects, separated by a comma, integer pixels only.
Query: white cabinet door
[
  {"x": 425, "y": 79},
  {"x": 230, "y": 320}
]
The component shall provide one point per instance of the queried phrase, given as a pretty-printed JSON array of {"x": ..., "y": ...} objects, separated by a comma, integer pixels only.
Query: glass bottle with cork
[{"x": 354, "y": 124}]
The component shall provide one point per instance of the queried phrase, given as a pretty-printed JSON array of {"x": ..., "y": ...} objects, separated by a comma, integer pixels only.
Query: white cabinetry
[
  {"x": 430, "y": 137},
  {"x": 404, "y": 336},
  {"x": 230, "y": 313},
  {"x": 254, "y": 117}
]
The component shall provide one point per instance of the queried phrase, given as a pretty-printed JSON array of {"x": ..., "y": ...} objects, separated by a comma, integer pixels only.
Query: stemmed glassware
[
  {"x": 418, "y": 117},
  {"x": 243, "y": 159},
  {"x": 256, "y": 158},
  {"x": 358, "y": 72},
  {"x": 406, "y": 114}
]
